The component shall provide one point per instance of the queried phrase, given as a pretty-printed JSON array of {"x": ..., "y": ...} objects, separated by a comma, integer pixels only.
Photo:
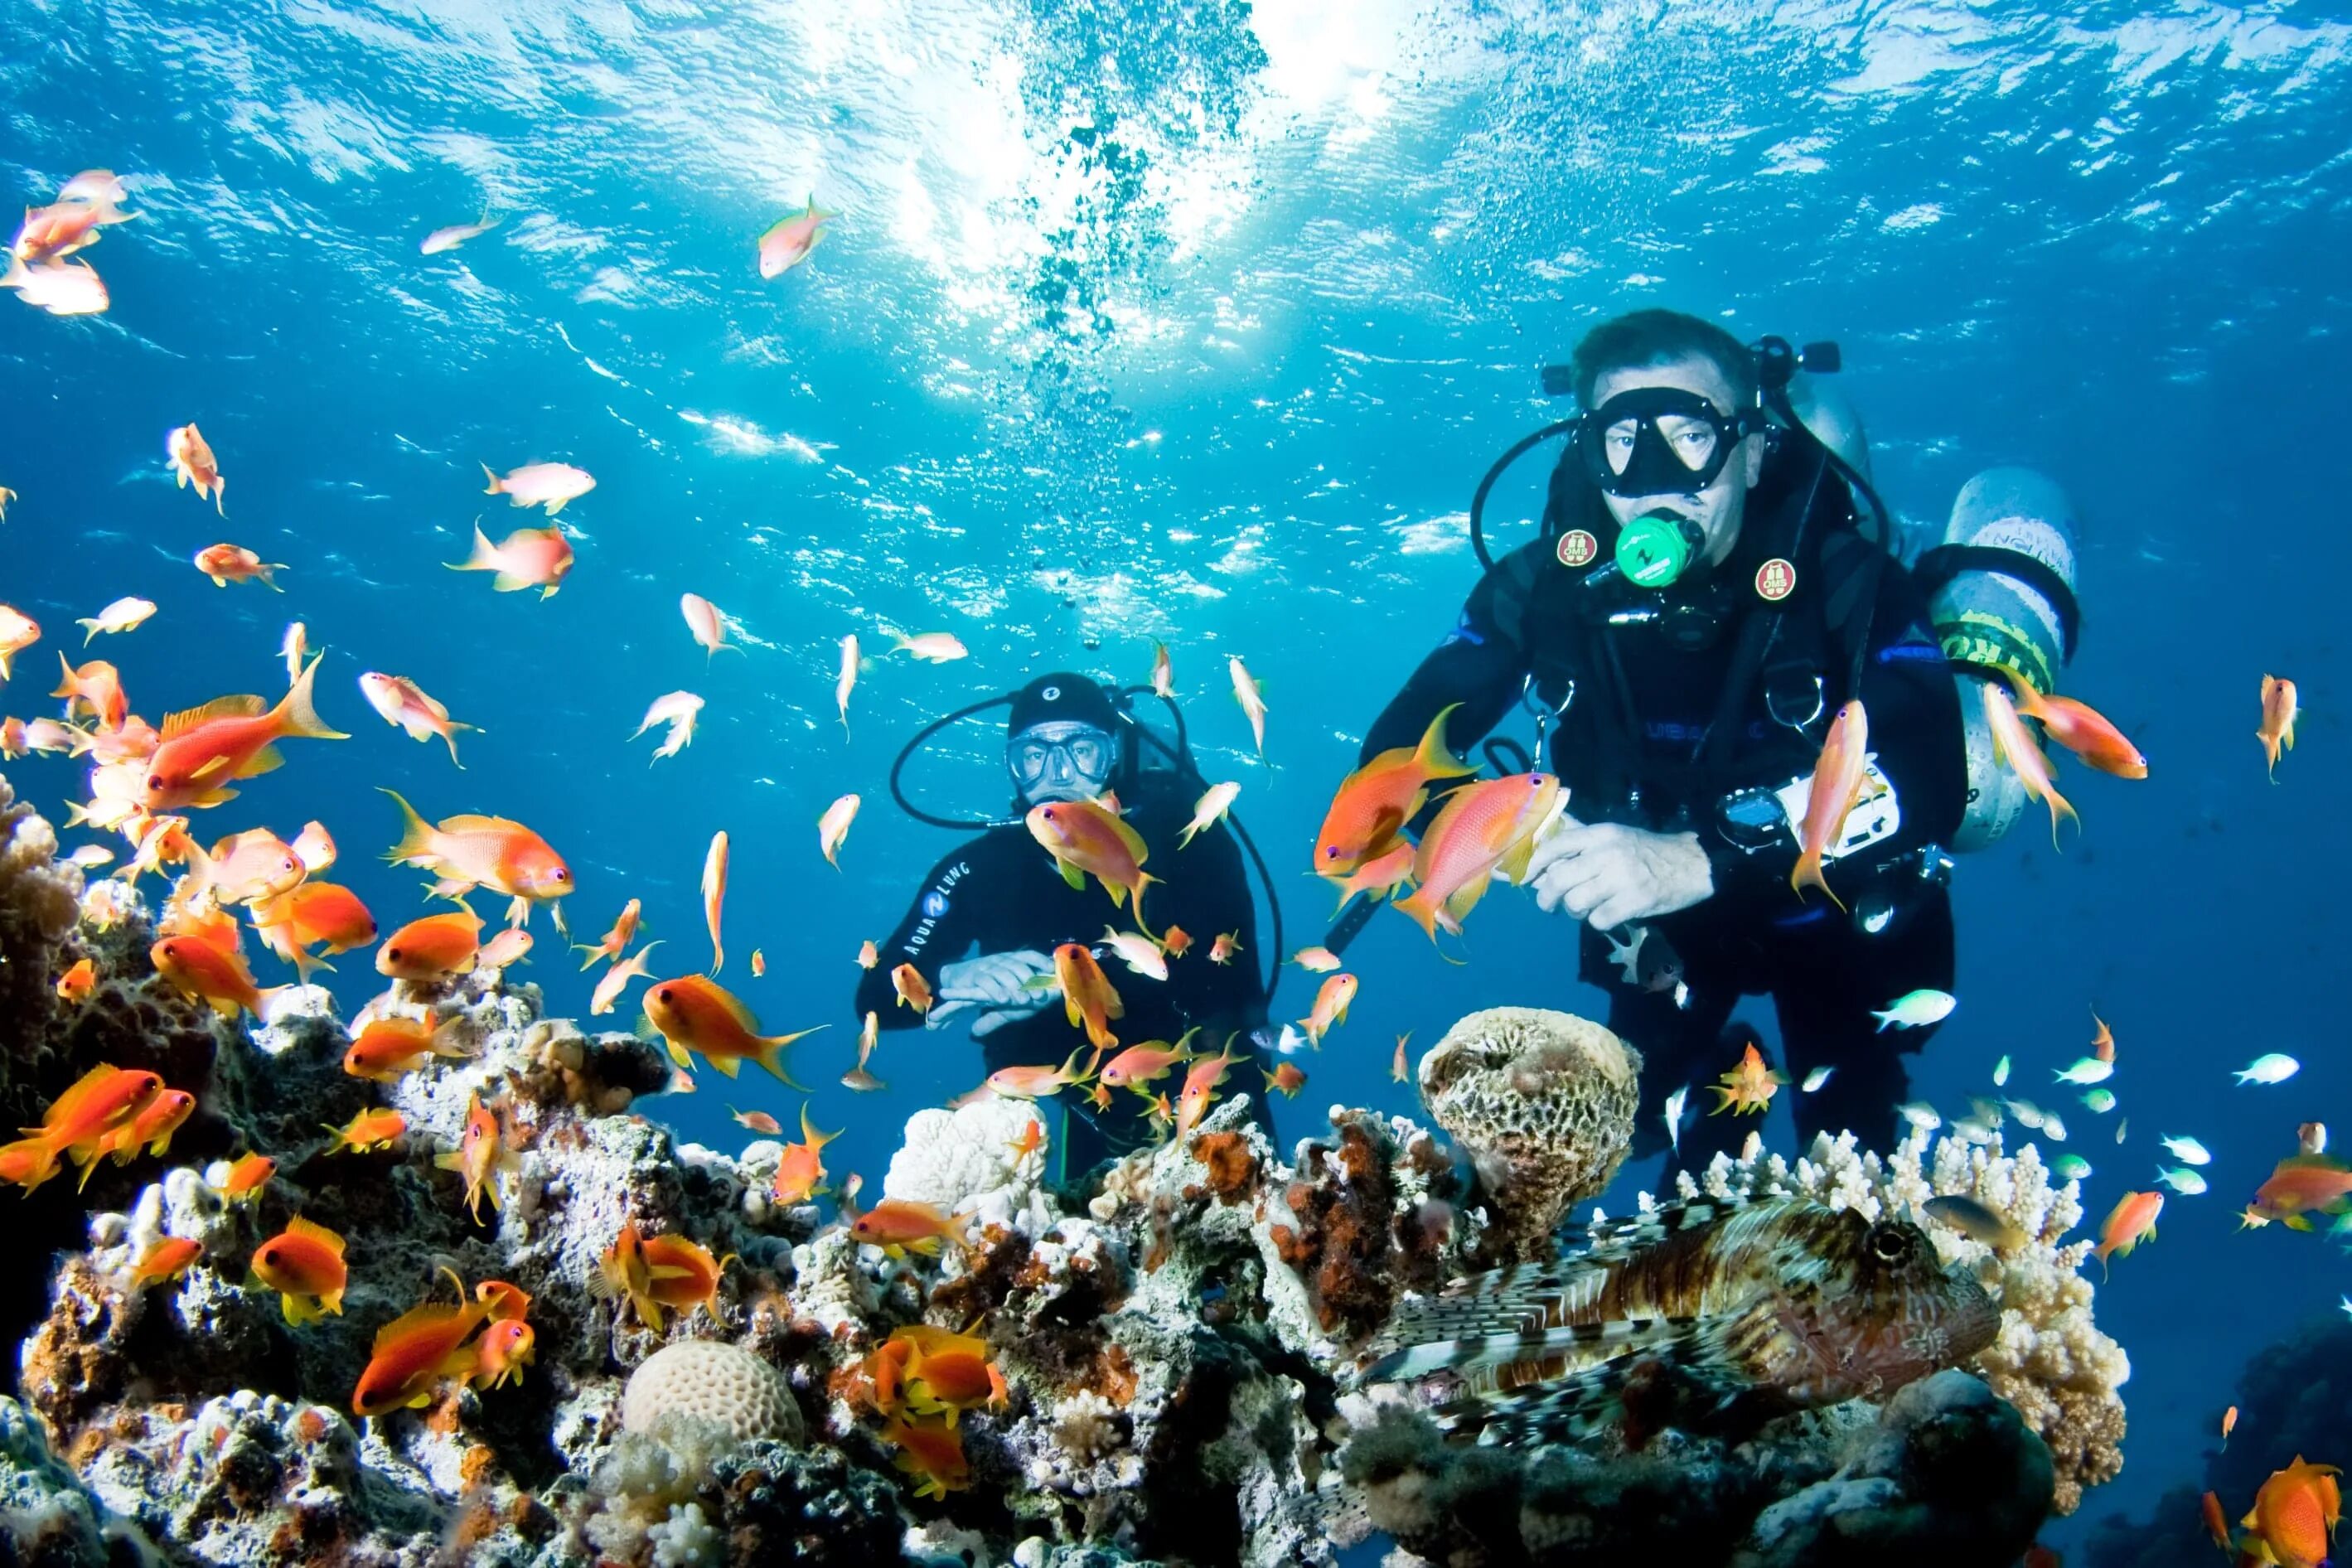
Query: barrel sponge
[
  {"x": 713, "y": 1381},
  {"x": 1544, "y": 1104}
]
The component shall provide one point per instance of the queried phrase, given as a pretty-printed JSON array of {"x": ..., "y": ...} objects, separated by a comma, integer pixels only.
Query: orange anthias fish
[
  {"x": 1397, "y": 1071},
  {"x": 527, "y": 558},
  {"x": 97, "y": 1103},
  {"x": 932, "y": 1454},
  {"x": 1034, "y": 1082},
  {"x": 2277, "y": 730},
  {"x": 246, "y": 867},
  {"x": 1174, "y": 941},
  {"x": 1836, "y": 784},
  {"x": 2217, "y": 1523},
  {"x": 714, "y": 895},
  {"x": 1749, "y": 1087},
  {"x": 913, "y": 990},
  {"x": 1163, "y": 673},
  {"x": 247, "y": 1177},
  {"x": 1209, "y": 810},
  {"x": 2302, "y": 1184},
  {"x": 506, "y": 1347},
  {"x": 1226, "y": 944},
  {"x": 506, "y": 949},
  {"x": 857, "y": 1078},
  {"x": 615, "y": 942},
  {"x": 205, "y": 973},
  {"x": 1287, "y": 1078},
  {"x": 226, "y": 563},
  {"x": 1032, "y": 1138},
  {"x": 1482, "y": 830},
  {"x": 229, "y": 738},
  {"x": 1200, "y": 1088},
  {"x": 2014, "y": 746},
  {"x": 552, "y": 485},
  {"x": 759, "y": 963},
  {"x": 2079, "y": 728},
  {"x": 192, "y": 463},
  {"x": 481, "y": 1158},
  {"x": 1317, "y": 959},
  {"x": 683, "y": 1275},
  {"x": 166, "y": 1258},
  {"x": 788, "y": 241},
  {"x": 848, "y": 680},
  {"x": 484, "y": 852},
  {"x": 151, "y": 1125},
  {"x": 76, "y": 983},
  {"x": 2103, "y": 1042},
  {"x": 947, "y": 1380},
  {"x": 1377, "y": 800},
  {"x": 615, "y": 980},
  {"x": 1089, "y": 840},
  {"x": 2295, "y": 1514},
  {"x": 432, "y": 948},
  {"x": 800, "y": 1175},
  {"x": 2228, "y": 1425},
  {"x": 2130, "y": 1222},
  {"x": 387, "y": 1050},
  {"x": 321, "y": 914},
  {"x": 413, "y": 1354},
  {"x": 506, "y": 1302},
  {"x": 1138, "y": 1065},
  {"x": 1331, "y": 1004},
  {"x": 304, "y": 1263},
  {"x": 694, "y": 1013},
  {"x": 1088, "y": 998},
  {"x": 405, "y": 705},
  {"x": 623, "y": 1273},
  {"x": 868, "y": 955},
  {"x": 705, "y": 622},
  {"x": 899, "y": 1226},
  {"x": 1381, "y": 875},
  {"x": 937, "y": 647},
  {"x": 759, "y": 1122},
  {"x": 377, "y": 1128},
  {"x": 833, "y": 828},
  {"x": 1253, "y": 701}
]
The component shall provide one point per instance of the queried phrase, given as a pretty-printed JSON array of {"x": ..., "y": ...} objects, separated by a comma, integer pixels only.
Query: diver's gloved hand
[
  {"x": 1608, "y": 874},
  {"x": 998, "y": 981}
]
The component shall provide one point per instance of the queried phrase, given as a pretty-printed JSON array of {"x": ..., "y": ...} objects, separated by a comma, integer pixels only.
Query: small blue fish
[
  {"x": 2001, "y": 1072},
  {"x": 2182, "y": 1180},
  {"x": 2188, "y": 1150},
  {"x": 2070, "y": 1167},
  {"x": 2270, "y": 1068},
  {"x": 1916, "y": 1010},
  {"x": 2100, "y": 1100},
  {"x": 1814, "y": 1079},
  {"x": 2088, "y": 1070}
]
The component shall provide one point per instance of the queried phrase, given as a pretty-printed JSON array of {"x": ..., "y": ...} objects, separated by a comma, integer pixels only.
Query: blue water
[{"x": 1201, "y": 328}]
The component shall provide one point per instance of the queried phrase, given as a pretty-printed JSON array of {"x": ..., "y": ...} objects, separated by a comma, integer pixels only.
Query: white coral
[
  {"x": 685, "y": 1540},
  {"x": 2049, "y": 1358},
  {"x": 713, "y": 1381},
  {"x": 964, "y": 1159}
]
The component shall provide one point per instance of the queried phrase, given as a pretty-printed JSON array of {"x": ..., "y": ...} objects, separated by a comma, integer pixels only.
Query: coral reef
[
  {"x": 1149, "y": 1369},
  {"x": 1543, "y": 1103},
  {"x": 2049, "y": 1358}
]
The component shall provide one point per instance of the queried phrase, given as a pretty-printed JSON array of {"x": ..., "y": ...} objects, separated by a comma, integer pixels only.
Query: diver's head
[
  {"x": 1670, "y": 431},
  {"x": 1061, "y": 739}
]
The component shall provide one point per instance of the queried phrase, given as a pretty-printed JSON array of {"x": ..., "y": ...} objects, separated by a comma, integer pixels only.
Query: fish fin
[
  {"x": 508, "y": 583},
  {"x": 496, "y": 486},
  {"x": 268, "y": 760},
  {"x": 319, "y": 1232},
  {"x": 1588, "y": 1399},
  {"x": 1807, "y": 873},
  {"x": 416, "y": 835},
  {"x": 1433, "y": 757},
  {"x": 244, "y": 705},
  {"x": 732, "y": 1066},
  {"x": 295, "y": 714},
  {"x": 455, "y": 1159},
  {"x": 1071, "y": 874},
  {"x": 770, "y": 1055},
  {"x": 485, "y": 555}
]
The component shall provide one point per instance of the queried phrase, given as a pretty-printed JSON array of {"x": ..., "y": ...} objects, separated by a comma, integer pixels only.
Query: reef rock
[{"x": 1543, "y": 1103}]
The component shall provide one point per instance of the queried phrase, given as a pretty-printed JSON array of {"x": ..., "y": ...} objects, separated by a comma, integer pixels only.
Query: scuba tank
[{"x": 2000, "y": 590}]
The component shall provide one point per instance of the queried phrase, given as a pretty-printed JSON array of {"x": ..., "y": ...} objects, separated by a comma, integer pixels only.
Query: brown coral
[
  {"x": 1232, "y": 1167},
  {"x": 1543, "y": 1102}
]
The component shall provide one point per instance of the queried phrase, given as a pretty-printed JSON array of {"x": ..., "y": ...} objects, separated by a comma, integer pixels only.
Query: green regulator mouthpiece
[{"x": 1656, "y": 549}]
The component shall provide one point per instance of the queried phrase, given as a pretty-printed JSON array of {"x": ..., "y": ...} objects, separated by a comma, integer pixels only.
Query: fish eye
[
  {"x": 154, "y": 781},
  {"x": 661, "y": 994},
  {"x": 392, "y": 953},
  {"x": 1889, "y": 1245}
]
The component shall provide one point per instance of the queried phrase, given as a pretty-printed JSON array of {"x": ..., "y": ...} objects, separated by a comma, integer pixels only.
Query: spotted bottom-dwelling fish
[{"x": 1775, "y": 1304}]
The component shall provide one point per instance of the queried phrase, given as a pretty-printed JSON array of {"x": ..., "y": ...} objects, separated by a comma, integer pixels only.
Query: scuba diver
[
  {"x": 1068, "y": 739},
  {"x": 1702, "y": 598}
]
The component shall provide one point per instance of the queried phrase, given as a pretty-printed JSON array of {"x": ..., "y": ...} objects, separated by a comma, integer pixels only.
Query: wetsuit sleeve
[
  {"x": 925, "y": 939},
  {"x": 1221, "y": 998},
  {"x": 1478, "y": 666},
  {"x": 1906, "y": 687}
]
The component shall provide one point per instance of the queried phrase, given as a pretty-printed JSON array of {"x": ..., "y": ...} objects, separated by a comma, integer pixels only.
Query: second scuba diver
[
  {"x": 1698, "y": 606},
  {"x": 984, "y": 927}
]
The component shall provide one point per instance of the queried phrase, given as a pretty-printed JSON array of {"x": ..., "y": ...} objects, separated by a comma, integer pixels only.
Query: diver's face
[
  {"x": 1718, "y": 509},
  {"x": 1061, "y": 761}
]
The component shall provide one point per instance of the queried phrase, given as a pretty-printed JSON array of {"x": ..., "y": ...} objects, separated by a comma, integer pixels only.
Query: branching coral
[
  {"x": 2049, "y": 1360},
  {"x": 1543, "y": 1103}
]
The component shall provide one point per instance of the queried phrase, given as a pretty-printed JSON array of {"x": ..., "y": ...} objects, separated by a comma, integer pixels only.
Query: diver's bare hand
[{"x": 1608, "y": 874}]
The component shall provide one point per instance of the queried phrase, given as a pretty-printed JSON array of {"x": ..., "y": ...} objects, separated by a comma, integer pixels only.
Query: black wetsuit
[
  {"x": 1002, "y": 893},
  {"x": 1653, "y": 736}
]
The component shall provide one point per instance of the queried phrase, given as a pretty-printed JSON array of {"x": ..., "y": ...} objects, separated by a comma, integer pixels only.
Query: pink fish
[
  {"x": 60, "y": 288},
  {"x": 705, "y": 622},
  {"x": 403, "y": 703},
  {"x": 551, "y": 485},
  {"x": 528, "y": 558},
  {"x": 788, "y": 243}
]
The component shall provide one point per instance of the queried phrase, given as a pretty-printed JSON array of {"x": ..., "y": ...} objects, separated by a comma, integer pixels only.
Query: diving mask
[
  {"x": 1658, "y": 441},
  {"x": 1061, "y": 761}
]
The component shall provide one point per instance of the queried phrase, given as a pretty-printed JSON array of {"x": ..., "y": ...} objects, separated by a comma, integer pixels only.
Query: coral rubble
[{"x": 631, "y": 1351}]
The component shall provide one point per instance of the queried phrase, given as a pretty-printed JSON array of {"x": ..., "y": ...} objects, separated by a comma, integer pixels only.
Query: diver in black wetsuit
[
  {"x": 1700, "y": 602},
  {"x": 1003, "y": 894}
]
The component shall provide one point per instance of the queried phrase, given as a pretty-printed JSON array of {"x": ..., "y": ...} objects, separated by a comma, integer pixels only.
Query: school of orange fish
[{"x": 144, "y": 781}]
